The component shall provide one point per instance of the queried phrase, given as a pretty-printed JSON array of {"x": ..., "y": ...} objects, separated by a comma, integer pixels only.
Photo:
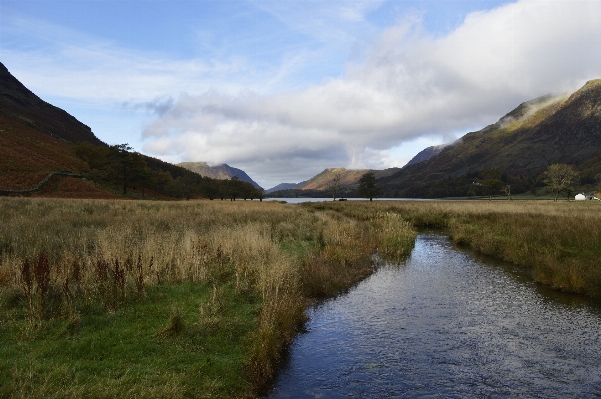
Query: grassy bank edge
[{"x": 559, "y": 244}]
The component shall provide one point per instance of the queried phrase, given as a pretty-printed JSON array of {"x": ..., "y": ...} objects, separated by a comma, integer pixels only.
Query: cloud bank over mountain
[{"x": 409, "y": 84}]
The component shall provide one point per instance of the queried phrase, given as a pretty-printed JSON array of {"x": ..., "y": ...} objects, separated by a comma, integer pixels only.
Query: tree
[
  {"x": 189, "y": 184},
  {"x": 507, "y": 190},
  {"x": 146, "y": 179},
  {"x": 335, "y": 185},
  {"x": 163, "y": 179},
  {"x": 96, "y": 157},
  {"x": 124, "y": 166},
  {"x": 492, "y": 184},
  {"x": 209, "y": 188},
  {"x": 260, "y": 194},
  {"x": 560, "y": 177},
  {"x": 233, "y": 187},
  {"x": 367, "y": 186}
]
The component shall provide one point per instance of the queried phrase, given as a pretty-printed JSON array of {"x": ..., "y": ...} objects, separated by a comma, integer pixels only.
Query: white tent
[{"x": 580, "y": 197}]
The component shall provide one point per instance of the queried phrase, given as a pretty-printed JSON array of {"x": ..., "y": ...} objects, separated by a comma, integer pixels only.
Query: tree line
[
  {"x": 557, "y": 179},
  {"x": 118, "y": 165}
]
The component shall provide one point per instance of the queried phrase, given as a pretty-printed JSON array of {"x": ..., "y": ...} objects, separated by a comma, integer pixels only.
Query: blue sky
[{"x": 284, "y": 89}]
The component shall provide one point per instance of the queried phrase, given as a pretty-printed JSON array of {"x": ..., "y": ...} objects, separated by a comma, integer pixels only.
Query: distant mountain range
[
  {"x": 285, "y": 186},
  {"x": 220, "y": 172},
  {"x": 348, "y": 181},
  {"x": 349, "y": 178}
]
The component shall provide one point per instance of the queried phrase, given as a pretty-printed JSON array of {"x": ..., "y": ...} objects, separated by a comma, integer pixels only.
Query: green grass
[{"x": 134, "y": 351}]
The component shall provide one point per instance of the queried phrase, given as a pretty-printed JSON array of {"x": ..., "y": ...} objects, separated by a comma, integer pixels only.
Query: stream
[{"x": 446, "y": 323}]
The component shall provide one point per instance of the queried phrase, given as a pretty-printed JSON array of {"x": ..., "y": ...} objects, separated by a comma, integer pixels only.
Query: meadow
[
  {"x": 558, "y": 243},
  {"x": 109, "y": 298}
]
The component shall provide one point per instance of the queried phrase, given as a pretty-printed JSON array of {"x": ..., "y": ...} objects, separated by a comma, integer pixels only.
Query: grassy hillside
[{"x": 550, "y": 129}]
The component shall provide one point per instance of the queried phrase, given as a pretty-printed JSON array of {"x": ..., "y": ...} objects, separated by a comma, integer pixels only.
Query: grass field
[
  {"x": 106, "y": 298},
  {"x": 558, "y": 242}
]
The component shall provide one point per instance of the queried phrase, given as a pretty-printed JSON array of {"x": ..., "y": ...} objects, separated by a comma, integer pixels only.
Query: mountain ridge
[
  {"x": 18, "y": 102},
  {"x": 426, "y": 154},
  {"x": 549, "y": 129},
  {"x": 220, "y": 172},
  {"x": 324, "y": 180}
]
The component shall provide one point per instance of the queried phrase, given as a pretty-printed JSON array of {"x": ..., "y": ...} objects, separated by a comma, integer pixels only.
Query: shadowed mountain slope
[
  {"x": 547, "y": 130},
  {"x": 285, "y": 186},
  {"x": 220, "y": 172},
  {"x": 35, "y": 137},
  {"x": 18, "y": 103},
  {"x": 426, "y": 154}
]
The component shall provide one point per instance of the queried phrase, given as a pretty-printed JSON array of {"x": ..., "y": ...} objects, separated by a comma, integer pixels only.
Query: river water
[{"x": 446, "y": 324}]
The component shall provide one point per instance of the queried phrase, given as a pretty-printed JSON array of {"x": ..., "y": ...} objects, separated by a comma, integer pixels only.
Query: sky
[{"x": 284, "y": 89}]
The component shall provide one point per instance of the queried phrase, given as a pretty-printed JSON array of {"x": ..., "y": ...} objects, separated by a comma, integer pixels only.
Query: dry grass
[{"x": 105, "y": 255}]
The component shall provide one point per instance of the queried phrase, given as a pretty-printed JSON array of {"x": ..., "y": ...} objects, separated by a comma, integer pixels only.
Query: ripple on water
[{"x": 446, "y": 324}]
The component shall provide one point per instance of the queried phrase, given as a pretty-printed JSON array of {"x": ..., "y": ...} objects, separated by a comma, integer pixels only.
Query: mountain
[
  {"x": 285, "y": 186},
  {"x": 220, "y": 172},
  {"x": 426, "y": 154},
  {"x": 348, "y": 177},
  {"x": 38, "y": 147},
  {"x": 323, "y": 180},
  {"x": 540, "y": 132},
  {"x": 20, "y": 104},
  {"x": 36, "y": 139},
  {"x": 320, "y": 184}
]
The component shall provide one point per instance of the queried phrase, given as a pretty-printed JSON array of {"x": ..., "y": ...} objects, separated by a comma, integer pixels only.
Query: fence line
[{"x": 41, "y": 183}]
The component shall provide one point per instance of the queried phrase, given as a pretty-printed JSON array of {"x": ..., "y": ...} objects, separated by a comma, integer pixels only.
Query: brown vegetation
[
  {"x": 73, "y": 187},
  {"x": 28, "y": 155}
]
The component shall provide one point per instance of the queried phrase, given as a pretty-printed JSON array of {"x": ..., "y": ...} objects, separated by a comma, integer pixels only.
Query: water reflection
[{"x": 446, "y": 324}]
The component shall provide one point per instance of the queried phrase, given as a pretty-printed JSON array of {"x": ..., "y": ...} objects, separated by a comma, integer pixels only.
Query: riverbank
[
  {"x": 102, "y": 298},
  {"x": 558, "y": 243}
]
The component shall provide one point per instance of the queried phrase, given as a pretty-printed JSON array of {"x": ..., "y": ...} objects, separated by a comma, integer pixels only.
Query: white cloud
[
  {"x": 59, "y": 62},
  {"x": 409, "y": 85}
]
